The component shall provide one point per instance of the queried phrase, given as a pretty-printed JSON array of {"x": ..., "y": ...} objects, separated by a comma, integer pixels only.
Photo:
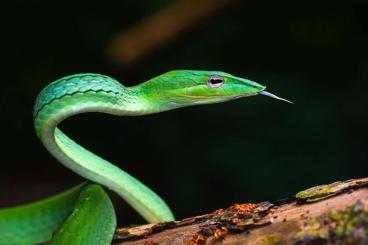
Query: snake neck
[{"x": 83, "y": 93}]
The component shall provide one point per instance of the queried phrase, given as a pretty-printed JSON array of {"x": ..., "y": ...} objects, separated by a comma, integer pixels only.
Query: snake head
[{"x": 181, "y": 88}]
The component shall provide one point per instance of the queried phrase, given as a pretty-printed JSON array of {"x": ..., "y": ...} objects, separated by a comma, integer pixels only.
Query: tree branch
[
  {"x": 335, "y": 213},
  {"x": 160, "y": 28}
]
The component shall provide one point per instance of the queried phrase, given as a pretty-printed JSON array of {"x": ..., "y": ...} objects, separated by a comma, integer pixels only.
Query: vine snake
[{"x": 84, "y": 214}]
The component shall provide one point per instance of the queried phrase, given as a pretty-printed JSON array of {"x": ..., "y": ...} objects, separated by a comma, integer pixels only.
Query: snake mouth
[{"x": 226, "y": 98}]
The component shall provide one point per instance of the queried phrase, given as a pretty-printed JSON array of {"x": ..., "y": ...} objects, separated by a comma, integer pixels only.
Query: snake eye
[{"x": 215, "y": 81}]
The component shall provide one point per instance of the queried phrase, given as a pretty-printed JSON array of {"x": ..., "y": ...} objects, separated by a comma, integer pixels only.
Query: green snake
[{"x": 84, "y": 214}]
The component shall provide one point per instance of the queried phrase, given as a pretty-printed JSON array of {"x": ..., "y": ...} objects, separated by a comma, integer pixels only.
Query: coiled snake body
[{"x": 84, "y": 214}]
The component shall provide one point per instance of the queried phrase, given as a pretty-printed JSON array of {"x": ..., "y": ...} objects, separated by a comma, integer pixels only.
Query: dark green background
[{"x": 199, "y": 158}]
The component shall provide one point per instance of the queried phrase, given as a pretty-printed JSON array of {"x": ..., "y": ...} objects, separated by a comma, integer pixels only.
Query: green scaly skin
[{"x": 84, "y": 214}]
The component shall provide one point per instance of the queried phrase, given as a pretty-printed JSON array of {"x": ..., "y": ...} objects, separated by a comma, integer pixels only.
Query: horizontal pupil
[{"x": 216, "y": 81}]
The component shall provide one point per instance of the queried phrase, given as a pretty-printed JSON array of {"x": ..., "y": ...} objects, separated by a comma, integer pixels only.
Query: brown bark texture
[{"x": 336, "y": 213}]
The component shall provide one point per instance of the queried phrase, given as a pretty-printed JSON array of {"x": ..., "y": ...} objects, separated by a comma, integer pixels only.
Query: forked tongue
[{"x": 274, "y": 96}]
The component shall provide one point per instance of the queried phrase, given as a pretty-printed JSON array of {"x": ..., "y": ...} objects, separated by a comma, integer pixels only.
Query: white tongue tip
[{"x": 274, "y": 96}]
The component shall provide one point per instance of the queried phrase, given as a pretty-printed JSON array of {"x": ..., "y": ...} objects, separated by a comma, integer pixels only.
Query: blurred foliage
[{"x": 201, "y": 158}]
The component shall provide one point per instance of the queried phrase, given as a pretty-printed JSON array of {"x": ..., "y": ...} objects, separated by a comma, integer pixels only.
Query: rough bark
[{"x": 329, "y": 214}]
